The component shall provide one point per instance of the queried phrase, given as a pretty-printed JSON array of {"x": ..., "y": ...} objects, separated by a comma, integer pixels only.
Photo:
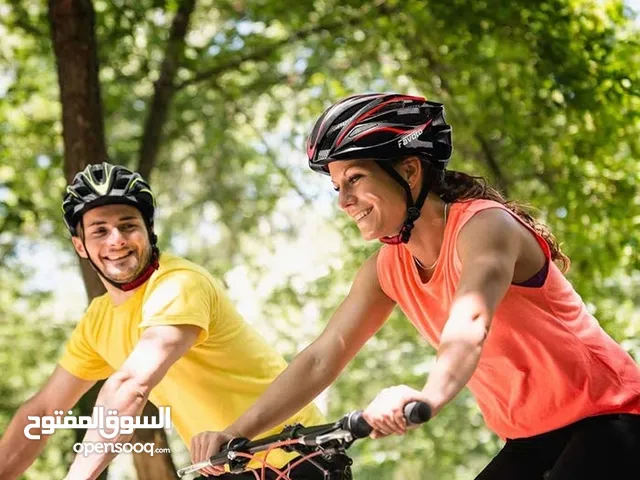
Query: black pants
[
  {"x": 339, "y": 464},
  {"x": 605, "y": 447}
]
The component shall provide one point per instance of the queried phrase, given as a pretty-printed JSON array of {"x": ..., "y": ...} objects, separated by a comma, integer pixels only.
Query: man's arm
[
  {"x": 61, "y": 392},
  {"x": 488, "y": 246},
  {"x": 128, "y": 389}
]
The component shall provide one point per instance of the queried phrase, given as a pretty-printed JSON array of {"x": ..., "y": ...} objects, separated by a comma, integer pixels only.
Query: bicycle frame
[{"x": 310, "y": 442}]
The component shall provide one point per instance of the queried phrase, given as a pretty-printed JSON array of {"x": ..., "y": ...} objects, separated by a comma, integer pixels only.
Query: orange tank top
[{"x": 546, "y": 362}]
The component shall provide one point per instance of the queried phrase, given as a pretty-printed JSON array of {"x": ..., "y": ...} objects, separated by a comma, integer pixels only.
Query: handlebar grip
[
  {"x": 417, "y": 412},
  {"x": 357, "y": 425},
  {"x": 414, "y": 412}
]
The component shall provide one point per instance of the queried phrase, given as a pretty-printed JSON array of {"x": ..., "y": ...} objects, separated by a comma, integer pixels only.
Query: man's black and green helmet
[{"x": 105, "y": 184}]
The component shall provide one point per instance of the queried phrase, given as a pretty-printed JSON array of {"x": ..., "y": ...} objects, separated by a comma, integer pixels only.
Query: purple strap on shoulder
[{"x": 538, "y": 279}]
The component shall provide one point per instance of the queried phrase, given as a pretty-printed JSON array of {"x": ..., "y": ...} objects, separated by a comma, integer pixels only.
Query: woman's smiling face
[{"x": 370, "y": 196}]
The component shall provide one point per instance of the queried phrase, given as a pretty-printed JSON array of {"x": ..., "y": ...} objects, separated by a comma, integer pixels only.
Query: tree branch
[
  {"x": 490, "y": 159},
  {"x": 22, "y": 20},
  {"x": 488, "y": 155},
  {"x": 164, "y": 89},
  {"x": 30, "y": 29},
  {"x": 259, "y": 54},
  {"x": 284, "y": 172},
  {"x": 263, "y": 52}
]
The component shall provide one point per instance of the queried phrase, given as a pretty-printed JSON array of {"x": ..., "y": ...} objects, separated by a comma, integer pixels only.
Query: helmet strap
[{"x": 413, "y": 209}]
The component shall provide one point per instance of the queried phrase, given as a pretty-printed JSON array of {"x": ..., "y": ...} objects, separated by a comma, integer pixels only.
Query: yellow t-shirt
[{"x": 212, "y": 384}]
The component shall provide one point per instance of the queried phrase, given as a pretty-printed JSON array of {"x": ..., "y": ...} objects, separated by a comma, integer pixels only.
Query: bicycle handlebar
[
  {"x": 351, "y": 427},
  {"x": 414, "y": 412}
]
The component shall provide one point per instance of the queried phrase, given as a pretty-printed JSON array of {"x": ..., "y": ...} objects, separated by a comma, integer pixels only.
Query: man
[{"x": 165, "y": 331}]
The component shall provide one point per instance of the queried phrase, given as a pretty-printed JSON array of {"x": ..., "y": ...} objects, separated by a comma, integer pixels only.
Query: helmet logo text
[{"x": 409, "y": 138}]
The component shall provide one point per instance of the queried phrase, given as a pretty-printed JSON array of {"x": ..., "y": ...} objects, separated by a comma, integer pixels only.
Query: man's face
[{"x": 116, "y": 240}]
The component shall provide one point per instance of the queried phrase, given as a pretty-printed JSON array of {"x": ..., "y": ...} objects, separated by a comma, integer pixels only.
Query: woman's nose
[{"x": 345, "y": 198}]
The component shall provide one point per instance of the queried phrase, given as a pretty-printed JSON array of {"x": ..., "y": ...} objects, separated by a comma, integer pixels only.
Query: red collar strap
[
  {"x": 154, "y": 264},
  {"x": 395, "y": 240},
  {"x": 405, "y": 232}
]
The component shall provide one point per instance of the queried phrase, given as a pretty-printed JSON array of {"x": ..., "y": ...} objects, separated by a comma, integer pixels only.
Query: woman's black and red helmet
[{"x": 382, "y": 127}]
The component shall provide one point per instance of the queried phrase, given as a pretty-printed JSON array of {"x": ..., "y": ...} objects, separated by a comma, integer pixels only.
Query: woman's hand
[
  {"x": 206, "y": 444},
  {"x": 386, "y": 412}
]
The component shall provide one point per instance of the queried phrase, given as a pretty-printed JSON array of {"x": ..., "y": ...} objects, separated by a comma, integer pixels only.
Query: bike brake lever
[{"x": 236, "y": 463}]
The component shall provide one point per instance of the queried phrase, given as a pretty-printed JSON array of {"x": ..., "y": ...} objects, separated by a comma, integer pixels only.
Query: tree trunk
[
  {"x": 74, "y": 45},
  {"x": 163, "y": 466}
]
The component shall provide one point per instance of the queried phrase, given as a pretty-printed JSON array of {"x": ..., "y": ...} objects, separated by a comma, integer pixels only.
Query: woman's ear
[{"x": 411, "y": 170}]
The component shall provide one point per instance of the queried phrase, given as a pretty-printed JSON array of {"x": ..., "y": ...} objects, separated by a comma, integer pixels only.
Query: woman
[{"x": 478, "y": 278}]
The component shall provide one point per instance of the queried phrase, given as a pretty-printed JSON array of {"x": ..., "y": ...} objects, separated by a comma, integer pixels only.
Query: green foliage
[
  {"x": 544, "y": 101},
  {"x": 29, "y": 344}
]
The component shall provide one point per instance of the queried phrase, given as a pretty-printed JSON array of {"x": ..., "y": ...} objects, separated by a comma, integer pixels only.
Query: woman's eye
[{"x": 352, "y": 179}]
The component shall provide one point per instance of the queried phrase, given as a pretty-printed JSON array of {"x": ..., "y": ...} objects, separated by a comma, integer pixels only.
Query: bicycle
[{"x": 320, "y": 444}]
